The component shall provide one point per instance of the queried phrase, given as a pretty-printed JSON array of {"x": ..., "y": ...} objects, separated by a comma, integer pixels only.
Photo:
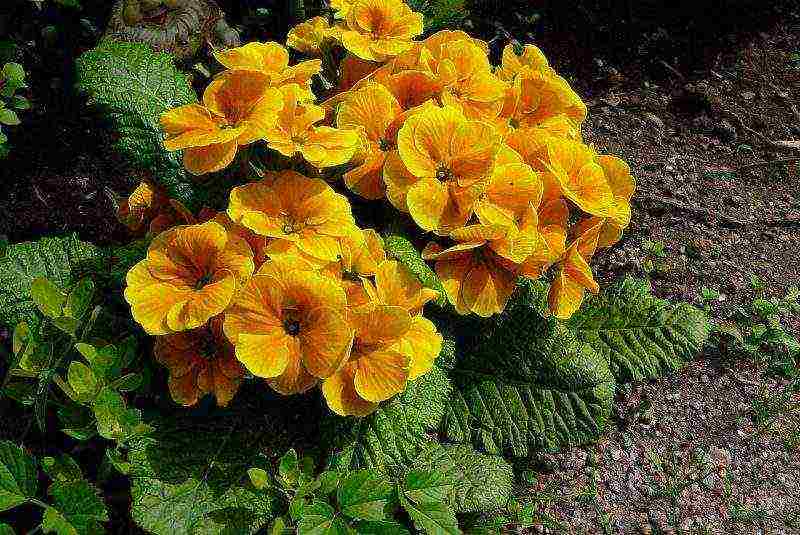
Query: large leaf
[
  {"x": 187, "y": 478},
  {"x": 396, "y": 433},
  {"x": 480, "y": 482},
  {"x": 133, "y": 86},
  {"x": 402, "y": 250},
  {"x": 62, "y": 261},
  {"x": 530, "y": 384},
  {"x": 18, "y": 476},
  {"x": 639, "y": 335},
  {"x": 77, "y": 509}
]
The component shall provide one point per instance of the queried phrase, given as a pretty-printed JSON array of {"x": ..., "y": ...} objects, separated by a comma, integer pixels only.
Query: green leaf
[
  {"x": 187, "y": 477},
  {"x": 110, "y": 410},
  {"x": 80, "y": 299},
  {"x": 20, "y": 103},
  {"x": 289, "y": 469},
  {"x": 48, "y": 298},
  {"x": 83, "y": 381},
  {"x": 62, "y": 261},
  {"x": 639, "y": 335},
  {"x": 133, "y": 86},
  {"x": 426, "y": 486},
  {"x": 259, "y": 478},
  {"x": 320, "y": 519},
  {"x": 397, "y": 432},
  {"x": 364, "y": 495},
  {"x": 5, "y": 529},
  {"x": 13, "y": 73},
  {"x": 9, "y": 117},
  {"x": 383, "y": 527},
  {"x": 434, "y": 518},
  {"x": 402, "y": 250},
  {"x": 328, "y": 482},
  {"x": 18, "y": 476},
  {"x": 529, "y": 384},
  {"x": 62, "y": 468},
  {"x": 77, "y": 509},
  {"x": 480, "y": 482}
]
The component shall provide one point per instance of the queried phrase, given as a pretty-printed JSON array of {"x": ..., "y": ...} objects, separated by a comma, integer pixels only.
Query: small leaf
[
  {"x": 109, "y": 410},
  {"x": 80, "y": 299},
  {"x": 20, "y": 103},
  {"x": 320, "y": 519},
  {"x": 328, "y": 482},
  {"x": 66, "y": 325},
  {"x": 289, "y": 469},
  {"x": 83, "y": 381},
  {"x": 77, "y": 509},
  {"x": 18, "y": 476},
  {"x": 48, "y": 298},
  {"x": 432, "y": 518},
  {"x": 13, "y": 72},
  {"x": 62, "y": 468},
  {"x": 277, "y": 527},
  {"x": 364, "y": 495},
  {"x": 423, "y": 486},
  {"x": 9, "y": 117},
  {"x": 259, "y": 478}
]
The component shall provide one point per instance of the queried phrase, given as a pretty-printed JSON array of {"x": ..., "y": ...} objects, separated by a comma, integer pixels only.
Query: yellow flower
[
  {"x": 360, "y": 254},
  {"x": 290, "y": 207},
  {"x": 190, "y": 275},
  {"x": 571, "y": 164},
  {"x": 272, "y": 60},
  {"x": 622, "y": 185},
  {"x": 574, "y": 275},
  {"x": 289, "y": 326},
  {"x": 237, "y": 110},
  {"x": 200, "y": 362},
  {"x": 387, "y": 343},
  {"x": 375, "y": 112},
  {"x": 513, "y": 65},
  {"x": 308, "y": 36},
  {"x": 541, "y": 94},
  {"x": 474, "y": 277},
  {"x": 395, "y": 285},
  {"x": 378, "y": 30},
  {"x": 446, "y": 158},
  {"x": 553, "y": 220},
  {"x": 321, "y": 146}
]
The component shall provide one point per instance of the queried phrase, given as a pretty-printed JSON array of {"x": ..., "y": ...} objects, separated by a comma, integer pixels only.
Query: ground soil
[{"x": 705, "y": 114}]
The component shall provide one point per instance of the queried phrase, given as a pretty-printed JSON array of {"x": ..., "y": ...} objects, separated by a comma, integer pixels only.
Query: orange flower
[
  {"x": 289, "y": 325},
  {"x": 200, "y": 362},
  {"x": 531, "y": 59},
  {"x": 141, "y": 207},
  {"x": 381, "y": 360},
  {"x": 622, "y": 185},
  {"x": 360, "y": 254},
  {"x": 571, "y": 165},
  {"x": 474, "y": 277},
  {"x": 321, "y": 146},
  {"x": 446, "y": 157},
  {"x": 377, "y": 30},
  {"x": 258, "y": 244},
  {"x": 237, "y": 110},
  {"x": 395, "y": 285},
  {"x": 290, "y": 207},
  {"x": 309, "y": 36},
  {"x": 375, "y": 112},
  {"x": 553, "y": 220},
  {"x": 575, "y": 275},
  {"x": 189, "y": 275},
  {"x": 538, "y": 95},
  {"x": 272, "y": 60}
]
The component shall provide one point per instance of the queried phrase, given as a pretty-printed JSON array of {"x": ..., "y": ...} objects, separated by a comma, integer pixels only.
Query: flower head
[
  {"x": 553, "y": 218},
  {"x": 378, "y": 30},
  {"x": 289, "y": 325},
  {"x": 295, "y": 132},
  {"x": 290, "y": 207},
  {"x": 237, "y": 110},
  {"x": 445, "y": 158},
  {"x": 189, "y": 275},
  {"x": 359, "y": 256},
  {"x": 574, "y": 276},
  {"x": 200, "y": 362},
  {"x": 572, "y": 165},
  {"x": 309, "y": 36},
  {"x": 540, "y": 94}
]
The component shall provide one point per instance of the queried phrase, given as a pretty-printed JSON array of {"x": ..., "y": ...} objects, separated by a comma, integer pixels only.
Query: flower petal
[{"x": 380, "y": 375}]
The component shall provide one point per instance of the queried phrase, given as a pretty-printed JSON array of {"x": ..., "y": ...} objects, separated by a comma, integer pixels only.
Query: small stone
[
  {"x": 654, "y": 120},
  {"x": 725, "y": 132},
  {"x": 748, "y": 95}
]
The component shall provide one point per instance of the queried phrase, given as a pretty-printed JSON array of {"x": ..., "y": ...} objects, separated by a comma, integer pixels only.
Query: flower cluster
[
  {"x": 286, "y": 286},
  {"x": 488, "y": 159}
]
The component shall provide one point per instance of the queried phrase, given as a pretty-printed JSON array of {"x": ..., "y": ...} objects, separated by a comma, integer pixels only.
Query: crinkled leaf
[
  {"x": 529, "y": 384},
  {"x": 383, "y": 527},
  {"x": 639, "y": 335},
  {"x": 18, "y": 476},
  {"x": 62, "y": 261},
  {"x": 364, "y": 495},
  {"x": 133, "y": 86}
]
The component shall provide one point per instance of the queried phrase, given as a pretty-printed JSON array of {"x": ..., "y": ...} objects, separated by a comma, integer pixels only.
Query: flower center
[
  {"x": 384, "y": 145},
  {"x": 351, "y": 276},
  {"x": 292, "y": 327},
  {"x": 443, "y": 174},
  {"x": 202, "y": 282}
]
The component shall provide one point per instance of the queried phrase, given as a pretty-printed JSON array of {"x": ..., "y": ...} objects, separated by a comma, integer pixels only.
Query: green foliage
[
  {"x": 5, "y": 529},
  {"x": 403, "y": 251},
  {"x": 12, "y": 79},
  {"x": 440, "y": 14},
  {"x": 74, "y": 508},
  {"x": 133, "y": 85},
  {"x": 531, "y": 384},
  {"x": 61, "y": 261},
  {"x": 639, "y": 335}
]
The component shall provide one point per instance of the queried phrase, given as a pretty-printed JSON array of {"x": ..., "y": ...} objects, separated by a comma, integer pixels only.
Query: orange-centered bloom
[
  {"x": 295, "y": 133},
  {"x": 375, "y": 112},
  {"x": 474, "y": 277},
  {"x": 574, "y": 275},
  {"x": 290, "y": 207},
  {"x": 447, "y": 157},
  {"x": 289, "y": 325},
  {"x": 237, "y": 110},
  {"x": 190, "y": 275},
  {"x": 272, "y": 60},
  {"x": 200, "y": 362},
  {"x": 382, "y": 361},
  {"x": 377, "y": 30}
]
